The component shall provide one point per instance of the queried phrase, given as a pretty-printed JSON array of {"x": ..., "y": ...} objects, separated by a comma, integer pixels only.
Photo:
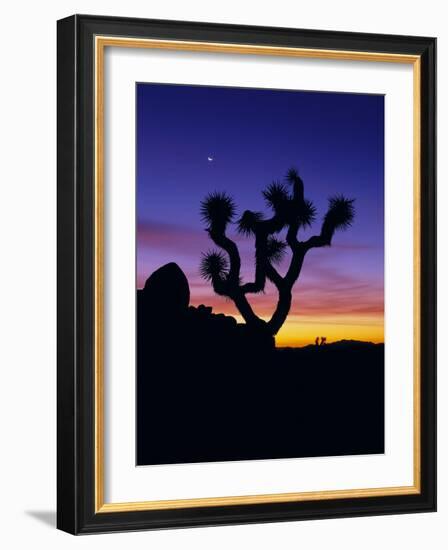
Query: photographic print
[{"x": 260, "y": 273}]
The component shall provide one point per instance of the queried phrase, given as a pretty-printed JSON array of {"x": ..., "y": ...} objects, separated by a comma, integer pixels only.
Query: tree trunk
[
  {"x": 282, "y": 310},
  {"x": 246, "y": 310}
]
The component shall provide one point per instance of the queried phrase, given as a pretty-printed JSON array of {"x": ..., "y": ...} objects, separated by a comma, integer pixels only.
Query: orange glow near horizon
[
  {"x": 299, "y": 331},
  {"x": 302, "y": 329}
]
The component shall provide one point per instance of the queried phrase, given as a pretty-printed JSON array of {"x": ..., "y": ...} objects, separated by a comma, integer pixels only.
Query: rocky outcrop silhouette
[{"x": 163, "y": 305}]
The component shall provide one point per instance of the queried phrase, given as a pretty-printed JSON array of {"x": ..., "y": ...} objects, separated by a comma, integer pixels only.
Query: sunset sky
[{"x": 335, "y": 140}]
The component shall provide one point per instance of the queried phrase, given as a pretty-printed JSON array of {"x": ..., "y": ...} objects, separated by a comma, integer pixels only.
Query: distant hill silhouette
[
  {"x": 339, "y": 344},
  {"x": 210, "y": 389}
]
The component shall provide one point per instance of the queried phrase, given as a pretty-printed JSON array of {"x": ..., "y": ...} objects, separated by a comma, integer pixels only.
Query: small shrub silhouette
[{"x": 290, "y": 211}]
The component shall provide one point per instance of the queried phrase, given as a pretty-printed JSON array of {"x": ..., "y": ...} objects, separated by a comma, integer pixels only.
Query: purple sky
[{"x": 254, "y": 136}]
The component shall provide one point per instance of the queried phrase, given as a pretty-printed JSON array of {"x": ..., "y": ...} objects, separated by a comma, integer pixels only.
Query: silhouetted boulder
[{"x": 166, "y": 291}]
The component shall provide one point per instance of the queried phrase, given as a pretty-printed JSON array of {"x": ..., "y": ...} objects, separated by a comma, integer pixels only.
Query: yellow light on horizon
[
  {"x": 302, "y": 335},
  {"x": 302, "y": 330}
]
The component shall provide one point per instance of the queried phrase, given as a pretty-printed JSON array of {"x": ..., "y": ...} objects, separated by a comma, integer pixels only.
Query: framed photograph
[{"x": 246, "y": 274}]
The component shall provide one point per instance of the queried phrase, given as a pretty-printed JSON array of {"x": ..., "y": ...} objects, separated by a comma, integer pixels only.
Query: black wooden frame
[{"x": 76, "y": 270}]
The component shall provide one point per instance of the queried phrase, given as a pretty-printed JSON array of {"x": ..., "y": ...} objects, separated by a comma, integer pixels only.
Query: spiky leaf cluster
[
  {"x": 248, "y": 222},
  {"x": 218, "y": 209},
  {"x": 292, "y": 176},
  {"x": 214, "y": 265},
  {"x": 275, "y": 250},
  {"x": 340, "y": 213},
  {"x": 276, "y": 196},
  {"x": 306, "y": 213},
  {"x": 340, "y": 216}
]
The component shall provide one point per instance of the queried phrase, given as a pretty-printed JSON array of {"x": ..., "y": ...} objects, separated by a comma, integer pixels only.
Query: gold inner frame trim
[{"x": 101, "y": 42}]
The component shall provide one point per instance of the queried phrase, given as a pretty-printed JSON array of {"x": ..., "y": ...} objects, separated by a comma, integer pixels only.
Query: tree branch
[
  {"x": 245, "y": 309},
  {"x": 231, "y": 285},
  {"x": 274, "y": 276},
  {"x": 221, "y": 240},
  {"x": 316, "y": 242},
  {"x": 291, "y": 235},
  {"x": 262, "y": 230},
  {"x": 339, "y": 216},
  {"x": 260, "y": 270}
]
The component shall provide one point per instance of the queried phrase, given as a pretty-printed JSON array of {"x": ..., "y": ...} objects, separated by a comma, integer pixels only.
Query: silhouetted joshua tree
[
  {"x": 290, "y": 211},
  {"x": 320, "y": 340}
]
